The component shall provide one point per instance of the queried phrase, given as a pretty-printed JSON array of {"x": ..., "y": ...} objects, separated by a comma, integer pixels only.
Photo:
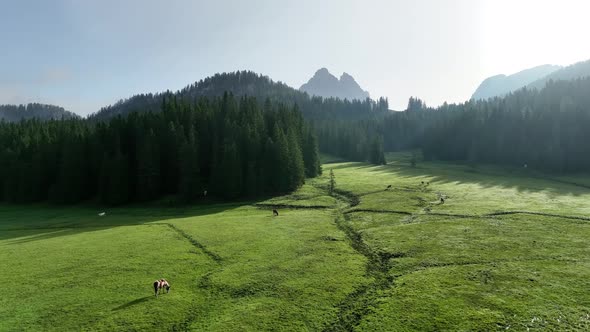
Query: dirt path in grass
[{"x": 357, "y": 304}]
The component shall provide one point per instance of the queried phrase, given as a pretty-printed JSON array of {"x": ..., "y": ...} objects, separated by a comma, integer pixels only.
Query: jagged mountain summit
[{"x": 324, "y": 84}]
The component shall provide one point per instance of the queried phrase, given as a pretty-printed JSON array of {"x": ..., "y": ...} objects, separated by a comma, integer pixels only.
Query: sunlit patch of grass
[{"x": 308, "y": 195}]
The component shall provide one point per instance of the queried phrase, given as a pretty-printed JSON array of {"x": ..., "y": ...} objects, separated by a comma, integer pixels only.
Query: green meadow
[{"x": 507, "y": 250}]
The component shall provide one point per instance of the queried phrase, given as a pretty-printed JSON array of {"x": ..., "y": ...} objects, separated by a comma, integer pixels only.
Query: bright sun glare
[{"x": 521, "y": 34}]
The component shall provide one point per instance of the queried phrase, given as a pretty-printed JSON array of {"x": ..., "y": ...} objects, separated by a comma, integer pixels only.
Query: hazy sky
[{"x": 86, "y": 54}]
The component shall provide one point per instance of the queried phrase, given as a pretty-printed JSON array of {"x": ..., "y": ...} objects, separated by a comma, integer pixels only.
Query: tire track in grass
[
  {"x": 192, "y": 312},
  {"x": 194, "y": 242}
]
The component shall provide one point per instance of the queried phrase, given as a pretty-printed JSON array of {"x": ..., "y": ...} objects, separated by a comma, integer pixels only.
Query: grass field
[{"x": 508, "y": 250}]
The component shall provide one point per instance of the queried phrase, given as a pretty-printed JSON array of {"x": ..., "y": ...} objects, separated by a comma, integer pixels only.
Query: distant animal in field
[
  {"x": 161, "y": 285},
  {"x": 442, "y": 200},
  {"x": 205, "y": 193},
  {"x": 388, "y": 187},
  {"x": 102, "y": 214},
  {"x": 422, "y": 182},
  {"x": 275, "y": 213}
]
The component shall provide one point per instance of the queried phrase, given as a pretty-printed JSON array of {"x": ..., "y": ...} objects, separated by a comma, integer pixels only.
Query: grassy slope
[
  {"x": 365, "y": 259},
  {"x": 231, "y": 268}
]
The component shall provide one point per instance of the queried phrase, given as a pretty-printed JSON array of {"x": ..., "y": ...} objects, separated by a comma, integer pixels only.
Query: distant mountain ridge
[
  {"x": 326, "y": 85},
  {"x": 500, "y": 85},
  {"x": 532, "y": 78},
  {"x": 248, "y": 83},
  {"x": 577, "y": 70},
  {"x": 15, "y": 113}
]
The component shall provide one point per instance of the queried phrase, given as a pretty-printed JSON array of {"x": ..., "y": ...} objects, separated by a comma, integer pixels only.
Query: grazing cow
[
  {"x": 388, "y": 187},
  {"x": 102, "y": 214},
  {"x": 442, "y": 200},
  {"x": 161, "y": 284},
  {"x": 275, "y": 213}
]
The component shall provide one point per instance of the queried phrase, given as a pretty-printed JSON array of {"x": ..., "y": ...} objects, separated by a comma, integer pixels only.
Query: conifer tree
[{"x": 189, "y": 186}]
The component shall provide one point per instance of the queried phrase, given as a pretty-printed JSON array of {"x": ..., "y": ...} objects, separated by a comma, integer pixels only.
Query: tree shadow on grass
[
  {"x": 132, "y": 303},
  {"x": 29, "y": 223},
  {"x": 486, "y": 176}
]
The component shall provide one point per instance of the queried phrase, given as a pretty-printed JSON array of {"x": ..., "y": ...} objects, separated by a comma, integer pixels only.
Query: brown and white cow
[{"x": 161, "y": 284}]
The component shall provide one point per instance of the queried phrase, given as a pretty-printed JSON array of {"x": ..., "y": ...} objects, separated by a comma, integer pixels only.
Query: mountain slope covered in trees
[
  {"x": 533, "y": 78},
  {"x": 546, "y": 129},
  {"x": 575, "y": 71},
  {"x": 500, "y": 85},
  {"x": 15, "y": 113},
  {"x": 247, "y": 83}
]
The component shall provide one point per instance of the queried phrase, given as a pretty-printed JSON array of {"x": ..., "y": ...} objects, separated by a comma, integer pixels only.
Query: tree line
[
  {"x": 15, "y": 113},
  {"x": 334, "y": 120},
  {"x": 545, "y": 129},
  {"x": 226, "y": 146}
]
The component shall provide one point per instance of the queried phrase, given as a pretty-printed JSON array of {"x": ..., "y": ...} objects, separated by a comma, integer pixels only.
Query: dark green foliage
[
  {"x": 376, "y": 155},
  {"x": 230, "y": 147},
  {"x": 546, "y": 129},
  {"x": 15, "y": 113},
  {"x": 114, "y": 178},
  {"x": 296, "y": 169},
  {"x": 148, "y": 167},
  {"x": 311, "y": 156},
  {"x": 322, "y": 111},
  {"x": 189, "y": 185},
  {"x": 352, "y": 140},
  {"x": 71, "y": 179}
]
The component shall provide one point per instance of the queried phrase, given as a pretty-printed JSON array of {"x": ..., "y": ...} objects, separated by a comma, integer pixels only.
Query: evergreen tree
[
  {"x": 376, "y": 154},
  {"x": 311, "y": 155},
  {"x": 148, "y": 168},
  {"x": 189, "y": 186},
  {"x": 71, "y": 178},
  {"x": 296, "y": 168},
  {"x": 231, "y": 183}
]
